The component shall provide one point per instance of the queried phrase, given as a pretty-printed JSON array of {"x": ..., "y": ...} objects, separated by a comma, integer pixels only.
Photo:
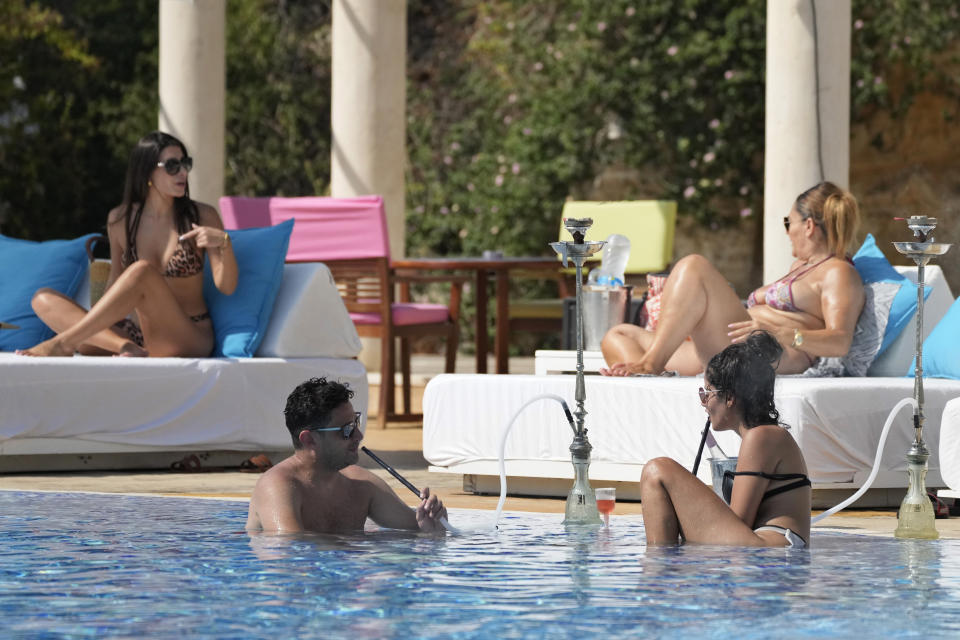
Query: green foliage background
[{"x": 513, "y": 105}]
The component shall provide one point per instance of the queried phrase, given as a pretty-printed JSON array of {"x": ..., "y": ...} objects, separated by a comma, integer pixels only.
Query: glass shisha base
[
  {"x": 582, "y": 500},
  {"x": 916, "y": 517}
]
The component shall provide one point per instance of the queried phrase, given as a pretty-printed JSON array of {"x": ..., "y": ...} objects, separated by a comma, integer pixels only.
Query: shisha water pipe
[
  {"x": 581, "y": 501},
  {"x": 916, "y": 517}
]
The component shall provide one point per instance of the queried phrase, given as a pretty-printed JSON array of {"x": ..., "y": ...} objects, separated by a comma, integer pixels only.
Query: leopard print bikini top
[{"x": 186, "y": 261}]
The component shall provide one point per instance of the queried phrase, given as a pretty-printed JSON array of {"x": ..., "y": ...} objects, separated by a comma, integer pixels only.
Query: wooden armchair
[
  {"x": 367, "y": 288},
  {"x": 349, "y": 235}
]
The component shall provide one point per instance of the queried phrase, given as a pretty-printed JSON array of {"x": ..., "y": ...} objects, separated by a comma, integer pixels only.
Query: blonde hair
[{"x": 835, "y": 211}]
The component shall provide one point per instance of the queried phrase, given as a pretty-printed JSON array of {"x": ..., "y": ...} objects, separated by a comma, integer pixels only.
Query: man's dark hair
[
  {"x": 311, "y": 404},
  {"x": 747, "y": 372}
]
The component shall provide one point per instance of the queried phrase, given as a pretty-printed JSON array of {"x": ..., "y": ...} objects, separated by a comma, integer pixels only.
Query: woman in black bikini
[
  {"x": 769, "y": 501},
  {"x": 154, "y": 303}
]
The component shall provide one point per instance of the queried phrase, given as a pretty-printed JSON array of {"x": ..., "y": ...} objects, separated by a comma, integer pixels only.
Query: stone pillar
[
  {"x": 368, "y": 106},
  {"x": 193, "y": 87},
  {"x": 796, "y": 55}
]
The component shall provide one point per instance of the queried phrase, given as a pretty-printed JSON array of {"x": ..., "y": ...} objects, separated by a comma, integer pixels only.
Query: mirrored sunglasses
[
  {"x": 346, "y": 430},
  {"x": 173, "y": 165},
  {"x": 706, "y": 393}
]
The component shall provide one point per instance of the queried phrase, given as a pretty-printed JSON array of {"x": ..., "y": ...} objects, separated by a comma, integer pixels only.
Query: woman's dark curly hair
[
  {"x": 311, "y": 404},
  {"x": 746, "y": 371}
]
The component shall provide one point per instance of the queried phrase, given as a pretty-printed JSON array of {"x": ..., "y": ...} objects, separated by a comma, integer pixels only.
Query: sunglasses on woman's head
[
  {"x": 346, "y": 430},
  {"x": 173, "y": 165}
]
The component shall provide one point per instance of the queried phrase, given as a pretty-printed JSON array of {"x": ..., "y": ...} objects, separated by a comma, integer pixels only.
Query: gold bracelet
[
  {"x": 797, "y": 339},
  {"x": 226, "y": 241}
]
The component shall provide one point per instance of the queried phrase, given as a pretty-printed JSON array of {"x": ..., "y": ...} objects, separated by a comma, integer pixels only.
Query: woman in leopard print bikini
[{"x": 154, "y": 303}]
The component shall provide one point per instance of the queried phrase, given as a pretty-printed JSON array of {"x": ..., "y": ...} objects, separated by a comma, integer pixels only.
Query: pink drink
[{"x": 605, "y": 506}]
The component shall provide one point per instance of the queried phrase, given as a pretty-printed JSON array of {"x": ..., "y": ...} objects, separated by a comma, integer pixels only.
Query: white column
[
  {"x": 799, "y": 58},
  {"x": 368, "y": 106},
  {"x": 193, "y": 87}
]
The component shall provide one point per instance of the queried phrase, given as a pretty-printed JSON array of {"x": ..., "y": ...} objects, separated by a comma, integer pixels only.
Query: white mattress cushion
[
  {"x": 895, "y": 361},
  {"x": 309, "y": 319},
  {"x": 950, "y": 444}
]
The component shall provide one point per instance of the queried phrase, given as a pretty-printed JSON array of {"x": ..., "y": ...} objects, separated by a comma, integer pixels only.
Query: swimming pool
[{"x": 85, "y": 565}]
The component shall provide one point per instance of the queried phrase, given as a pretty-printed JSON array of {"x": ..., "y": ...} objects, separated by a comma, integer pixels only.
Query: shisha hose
[
  {"x": 407, "y": 484},
  {"x": 703, "y": 441}
]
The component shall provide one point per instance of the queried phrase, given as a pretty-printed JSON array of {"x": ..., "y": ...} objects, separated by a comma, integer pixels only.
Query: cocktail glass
[{"x": 606, "y": 499}]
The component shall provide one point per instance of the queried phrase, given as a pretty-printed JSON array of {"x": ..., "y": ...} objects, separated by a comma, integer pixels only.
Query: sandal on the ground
[
  {"x": 256, "y": 464},
  {"x": 187, "y": 464}
]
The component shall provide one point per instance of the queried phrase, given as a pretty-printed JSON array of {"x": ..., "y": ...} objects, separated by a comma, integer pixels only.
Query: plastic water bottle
[{"x": 613, "y": 260}]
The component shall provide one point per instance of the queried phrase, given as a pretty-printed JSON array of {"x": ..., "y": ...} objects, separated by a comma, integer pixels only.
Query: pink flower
[
  {"x": 709, "y": 156},
  {"x": 672, "y": 51},
  {"x": 494, "y": 209},
  {"x": 444, "y": 210},
  {"x": 744, "y": 190},
  {"x": 527, "y": 131},
  {"x": 512, "y": 98},
  {"x": 718, "y": 182},
  {"x": 498, "y": 180},
  {"x": 878, "y": 80},
  {"x": 470, "y": 186},
  {"x": 455, "y": 146},
  {"x": 515, "y": 168},
  {"x": 507, "y": 119},
  {"x": 419, "y": 209},
  {"x": 858, "y": 24},
  {"x": 746, "y": 212},
  {"x": 693, "y": 163},
  {"x": 906, "y": 40},
  {"x": 714, "y": 123},
  {"x": 447, "y": 160},
  {"x": 571, "y": 27},
  {"x": 538, "y": 66},
  {"x": 601, "y": 26},
  {"x": 688, "y": 192},
  {"x": 630, "y": 12},
  {"x": 860, "y": 84},
  {"x": 728, "y": 74}
]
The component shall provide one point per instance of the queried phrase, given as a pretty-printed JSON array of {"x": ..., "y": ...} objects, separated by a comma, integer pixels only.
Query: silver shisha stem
[
  {"x": 581, "y": 505},
  {"x": 916, "y": 517}
]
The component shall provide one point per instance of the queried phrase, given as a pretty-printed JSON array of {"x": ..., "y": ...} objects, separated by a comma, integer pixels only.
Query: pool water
[{"x": 82, "y": 565}]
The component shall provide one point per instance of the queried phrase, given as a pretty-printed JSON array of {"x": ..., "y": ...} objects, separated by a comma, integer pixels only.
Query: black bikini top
[{"x": 801, "y": 481}]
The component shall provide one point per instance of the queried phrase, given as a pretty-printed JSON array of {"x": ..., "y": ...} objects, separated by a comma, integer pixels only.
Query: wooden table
[{"x": 483, "y": 268}]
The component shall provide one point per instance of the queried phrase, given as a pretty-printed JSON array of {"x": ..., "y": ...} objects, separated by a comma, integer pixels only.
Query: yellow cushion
[
  {"x": 649, "y": 224},
  {"x": 537, "y": 309}
]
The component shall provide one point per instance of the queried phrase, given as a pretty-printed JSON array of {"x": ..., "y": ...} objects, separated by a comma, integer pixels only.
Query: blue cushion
[
  {"x": 240, "y": 320},
  {"x": 26, "y": 266},
  {"x": 941, "y": 349},
  {"x": 873, "y": 266}
]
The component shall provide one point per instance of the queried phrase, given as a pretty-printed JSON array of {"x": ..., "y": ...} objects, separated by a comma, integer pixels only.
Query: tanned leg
[
  {"x": 697, "y": 302},
  {"x": 675, "y": 501},
  {"x": 167, "y": 329},
  {"x": 60, "y": 313}
]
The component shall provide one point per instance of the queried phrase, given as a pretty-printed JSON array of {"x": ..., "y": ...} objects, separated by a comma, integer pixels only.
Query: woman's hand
[
  {"x": 740, "y": 330},
  {"x": 207, "y": 237}
]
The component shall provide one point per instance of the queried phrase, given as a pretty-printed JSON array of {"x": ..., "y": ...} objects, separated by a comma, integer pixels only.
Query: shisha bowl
[{"x": 922, "y": 250}]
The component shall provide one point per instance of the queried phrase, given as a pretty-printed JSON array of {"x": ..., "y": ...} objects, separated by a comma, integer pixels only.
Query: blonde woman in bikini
[
  {"x": 811, "y": 311},
  {"x": 153, "y": 304}
]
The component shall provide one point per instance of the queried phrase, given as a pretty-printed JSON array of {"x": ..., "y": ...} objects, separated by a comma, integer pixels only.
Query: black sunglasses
[
  {"x": 346, "y": 430},
  {"x": 173, "y": 165},
  {"x": 786, "y": 223}
]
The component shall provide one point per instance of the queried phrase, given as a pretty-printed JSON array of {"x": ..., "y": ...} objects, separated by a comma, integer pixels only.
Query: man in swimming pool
[{"x": 320, "y": 487}]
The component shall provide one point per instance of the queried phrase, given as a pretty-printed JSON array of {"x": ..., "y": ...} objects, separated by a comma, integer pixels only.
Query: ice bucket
[
  {"x": 717, "y": 467},
  {"x": 603, "y": 308}
]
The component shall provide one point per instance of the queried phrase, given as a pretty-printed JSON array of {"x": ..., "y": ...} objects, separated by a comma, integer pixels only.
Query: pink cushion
[
  {"x": 324, "y": 228},
  {"x": 405, "y": 313}
]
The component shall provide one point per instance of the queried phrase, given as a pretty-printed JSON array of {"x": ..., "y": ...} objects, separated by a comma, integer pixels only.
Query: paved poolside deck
[{"x": 400, "y": 445}]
